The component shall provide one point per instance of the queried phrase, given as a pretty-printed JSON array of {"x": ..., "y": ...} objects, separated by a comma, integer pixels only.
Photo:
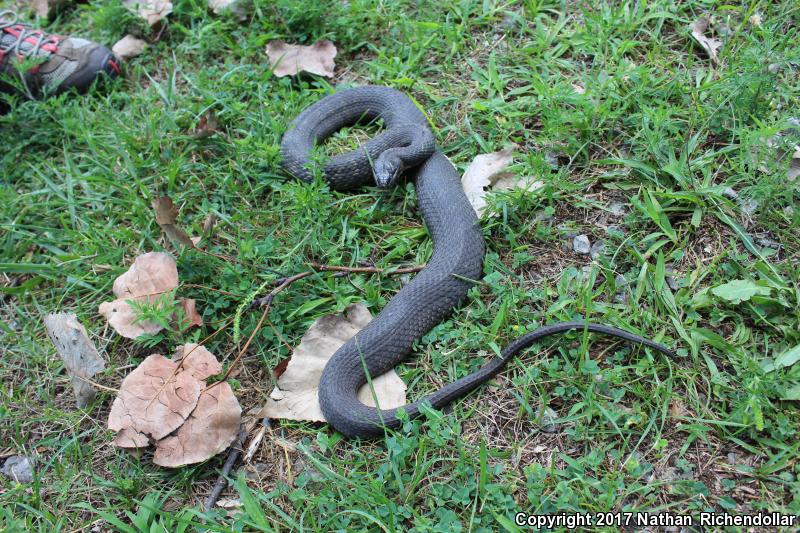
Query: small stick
[
  {"x": 222, "y": 480},
  {"x": 285, "y": 282}
]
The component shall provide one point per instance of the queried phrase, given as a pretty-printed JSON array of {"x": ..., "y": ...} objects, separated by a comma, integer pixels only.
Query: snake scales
[{"x": 405, "y": 144}]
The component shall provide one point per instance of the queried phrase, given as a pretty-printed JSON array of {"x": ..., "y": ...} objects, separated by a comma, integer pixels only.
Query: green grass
[{"x": 657, "y": 127}]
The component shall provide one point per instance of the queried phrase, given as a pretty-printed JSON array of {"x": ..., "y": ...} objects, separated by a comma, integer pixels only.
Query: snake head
[{"x": 388, "y": 168}]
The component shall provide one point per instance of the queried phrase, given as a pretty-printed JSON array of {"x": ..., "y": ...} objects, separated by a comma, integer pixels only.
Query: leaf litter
[
  {"x": 292, "y": 59},
  {"x": 488, "y": 172},
  {"x": 295, "y": 396},
  {"x": 166, "y": 402}
]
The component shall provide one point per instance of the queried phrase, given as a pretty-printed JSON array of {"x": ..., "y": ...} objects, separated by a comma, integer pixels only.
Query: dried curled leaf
[
  {"x": 295, "y": 397},
  {"x": 76, "y": 350},
  {"x": 291, "y": 59},
  {"x": 166, "y": 218},
  {"x": 151, "y": 275},
  {"x": 153, "y": 11},
  {"x": 153, "y": 401},
  {"x": 711, "y": 45},
  {"x": 488, "y": 172},
  {"x": 210, "y": 429},
  {"x": 128, "y": 47}
]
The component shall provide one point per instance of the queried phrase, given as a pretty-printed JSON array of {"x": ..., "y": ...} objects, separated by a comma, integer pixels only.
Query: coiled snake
[{"x": 405, "y": 144}]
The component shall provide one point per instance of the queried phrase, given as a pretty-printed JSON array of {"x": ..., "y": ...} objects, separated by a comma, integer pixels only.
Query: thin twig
[
  {"x": 222, "y": 480},
  {"x": 282, "y": 283}
]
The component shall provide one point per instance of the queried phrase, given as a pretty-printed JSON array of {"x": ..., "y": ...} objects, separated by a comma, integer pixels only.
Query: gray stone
[
  {"x": 598, "y": 249},
  {"x": 548, "y": 422},
  {"x": 773, "y": 68},
  {"x": 19, "y": 468},
  {"x": 768, "y": 243},
  {"x": 581, "y": 244},
  {"x": 617, "y": 209},
  {"x": 730, "y": 193},
  {"x": 731, "y": 458},
  {"x": 749, "y": 206}
]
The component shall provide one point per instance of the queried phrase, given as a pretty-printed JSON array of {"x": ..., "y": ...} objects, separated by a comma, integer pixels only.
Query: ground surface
[{"x": 636, "y": 135}]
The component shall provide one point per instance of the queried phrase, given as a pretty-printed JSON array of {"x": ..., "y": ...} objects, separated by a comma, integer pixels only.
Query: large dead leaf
[
  {"x": 153, "y": 401},
  {"x": 488, "y": 172},
  {"x": 128, "y": 47},
  {"x": 153, "y": 11},
  {"x": 197, "y": 360},
  {"x": 166, "y": 218},
  {"x": 290, "y": 59},
  {"x": 76, "y": 350},
  {"x": 295, "y": 396},
  {"x": 210, "y": 429},
  {"x": 166, "y": 402},
  {"x": 711, "y": 45},
  {"x": 151, "y": 275}
]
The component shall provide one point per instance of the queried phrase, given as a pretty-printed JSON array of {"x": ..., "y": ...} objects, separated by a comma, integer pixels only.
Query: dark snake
[{"x": 405, "y": 144}]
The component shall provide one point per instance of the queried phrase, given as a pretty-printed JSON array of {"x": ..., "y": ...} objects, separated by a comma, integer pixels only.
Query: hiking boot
[{"x": 61, "y": 63}]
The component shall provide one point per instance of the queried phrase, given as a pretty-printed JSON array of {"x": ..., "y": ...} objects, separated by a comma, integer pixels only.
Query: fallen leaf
[
  {"x": 295, "y": 396},
  {"x": 128, "y": 47},
  {"x": 239, "y": 8},
  {"x": 150, "y": 276},
  {"x": 794, "y": 166},
  {"x": 710, "y": 44},
  {"x": 208, "y": 125},
  {"x": 166, "y": 218},
  {"x": 487, "y": 172},
  {"x": 578, "y": 88},
  {"x": 153, "y": 11},
  {"x": 290, "y": 59},
  {"x": 78, "y": 353},
  {"x": 197, "y": 360},
  {"x": 43, "y": 8},
  {"x": 153, "y": 401},
  {"x": 210, "y": 429},
  {"x": 190, "y": 315}
]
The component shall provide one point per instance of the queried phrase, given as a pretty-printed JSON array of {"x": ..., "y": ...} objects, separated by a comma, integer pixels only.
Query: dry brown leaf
[
  {"x": 43, "y": 8},
  {"x": 210, "y": 429},
  {"x": 207, "y": 126},
  {"x": 295, "y": 397},
  {"x": 153, "y": 11},
  {"x": 197, "y": 360},
  {"x": 290, "y": 59},
  {"x": 488, "y": 172},
  {"x": 190, "y": 315},
  {"x": 166, "y": 218},
  {"x": 150, "y": 276},
  {"x": 710, "y": 44},
  {"x": 153, "y": 401},
  {"x": 239, "y": 8},
  {"x": 76, "y": 350},
  {"x": 128, "y": 47}
]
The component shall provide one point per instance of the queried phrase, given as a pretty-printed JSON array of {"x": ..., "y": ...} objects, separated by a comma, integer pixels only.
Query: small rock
[
  {"x": 548, "y": 422},
  {"x": 551, "y": 159},
  {"x": 768, "y": 243},
  {"x": 669, "y": 277},
  {"x": 586, "y": 272},
  {"x": 773, "y": 68},
  {"x": 749, "y": 206},
  {"x": 617, "y": 209},
  {"x": 581, "y": 244},
  {"x": 18, "y": 468},
  {"x": 731, "y": 458},
  {"x": 598, "y": 249},
  {"x": 730, "y": 194},
  {"x": 301, "y": 466},
  {"x": 788, "y": 211}
]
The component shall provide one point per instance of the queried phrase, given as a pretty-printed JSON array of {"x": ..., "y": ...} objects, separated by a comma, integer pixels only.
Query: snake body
[{"x": 406, "y": 144}]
